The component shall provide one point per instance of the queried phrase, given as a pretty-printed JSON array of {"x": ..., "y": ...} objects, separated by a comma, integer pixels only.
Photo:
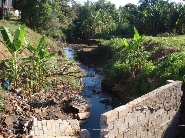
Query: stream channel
[{"x": 93, "y": 93}]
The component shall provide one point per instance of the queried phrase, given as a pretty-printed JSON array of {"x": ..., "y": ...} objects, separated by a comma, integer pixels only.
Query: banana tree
[
  {"x": 39, "y": 58},
  {"x": 14, "y": 43}
]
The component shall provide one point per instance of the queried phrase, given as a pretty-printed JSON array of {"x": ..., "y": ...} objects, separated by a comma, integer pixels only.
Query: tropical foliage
[
  {"x": 67, "y": 18},
  {"x": 46, "y": 16},
  {"x": 30, "y": 72},
  {"x": 34, "y": 72},
  {"x": 144, "y": 63}
]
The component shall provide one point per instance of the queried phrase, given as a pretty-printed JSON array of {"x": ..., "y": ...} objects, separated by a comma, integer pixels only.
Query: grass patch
[{"x": 30, "y": 34}]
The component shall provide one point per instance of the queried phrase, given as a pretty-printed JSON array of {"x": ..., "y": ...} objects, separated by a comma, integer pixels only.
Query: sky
[{"x": 124, "y": 2}]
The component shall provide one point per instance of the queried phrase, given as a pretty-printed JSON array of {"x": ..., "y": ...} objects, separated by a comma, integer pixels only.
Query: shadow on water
[{"x": 92, "y": 91}]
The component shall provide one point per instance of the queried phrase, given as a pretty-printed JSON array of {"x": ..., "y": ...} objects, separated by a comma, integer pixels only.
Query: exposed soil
[
  {"x": 160, "y": 53},
  {"x": 3, "y": 52},
  {"x": 58, "y": 102}
]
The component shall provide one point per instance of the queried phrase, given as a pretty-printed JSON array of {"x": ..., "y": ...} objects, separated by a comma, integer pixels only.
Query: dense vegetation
[
  {"x": 134, "y": 62},
  {"x": 66, "y": 18},
  {"x": 139, "y": 65}
]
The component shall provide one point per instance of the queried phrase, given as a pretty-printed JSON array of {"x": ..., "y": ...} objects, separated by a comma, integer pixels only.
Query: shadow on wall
[
  {"x": 181, "y": 125},
  {"x": 172, "y": 129}
]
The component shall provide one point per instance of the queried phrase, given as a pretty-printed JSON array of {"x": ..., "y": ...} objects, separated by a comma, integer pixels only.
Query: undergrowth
[{"x": 131, "y": 65}]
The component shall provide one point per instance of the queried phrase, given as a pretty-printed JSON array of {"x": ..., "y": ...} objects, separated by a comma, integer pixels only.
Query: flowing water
[{"x": 92, "y": 91}]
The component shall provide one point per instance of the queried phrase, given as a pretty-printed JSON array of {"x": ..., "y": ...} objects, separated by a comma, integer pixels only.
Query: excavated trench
[{"x": 98, "y": 100}]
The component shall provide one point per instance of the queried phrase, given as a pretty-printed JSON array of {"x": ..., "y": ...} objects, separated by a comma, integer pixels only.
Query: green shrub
[
  {"x": 29, "y": 73},
  {"x": 172, "y": 68},
  {"x": 129, "y": 64}
]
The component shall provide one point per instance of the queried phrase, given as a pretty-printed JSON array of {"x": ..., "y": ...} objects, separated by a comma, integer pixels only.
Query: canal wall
[{"x": 154, "y": 114}]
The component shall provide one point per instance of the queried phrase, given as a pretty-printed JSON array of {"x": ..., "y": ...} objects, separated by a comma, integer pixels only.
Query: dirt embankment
[
  {"x": 4, "y": 53},
  {"x": 57, "y": 102}
]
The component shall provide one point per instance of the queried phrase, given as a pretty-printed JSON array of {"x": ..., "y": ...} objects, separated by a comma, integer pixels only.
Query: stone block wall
[
  {"x": 55, "y": 128},
  {"x": 154, "y": 114}
]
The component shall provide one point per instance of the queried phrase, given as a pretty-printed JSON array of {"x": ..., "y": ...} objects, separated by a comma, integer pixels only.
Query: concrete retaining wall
[{"x": 152, "y": 115}]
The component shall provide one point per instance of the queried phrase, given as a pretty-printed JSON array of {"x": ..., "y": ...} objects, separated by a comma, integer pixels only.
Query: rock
[
  {"x": 9, "y": 121},
  {"x": 79, "y": 103},
  {"x": 18, "y": 91},
  {"x": 96, "y": 91},
  {"x": 84, "y": 133},
  {"x": 84, "y": 115},
  {"x": 38, "y": 111}
]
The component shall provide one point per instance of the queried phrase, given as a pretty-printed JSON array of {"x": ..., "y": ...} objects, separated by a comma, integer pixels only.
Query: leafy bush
[
  {"x": 172, "y": 68},
  {"x": 131, "y": 67},
  {"x": 130, "y": 63},
  {"x": 130, "y": 58},
  {"x": 14, "y": 44},
  {"x": 29, "y": 73}
]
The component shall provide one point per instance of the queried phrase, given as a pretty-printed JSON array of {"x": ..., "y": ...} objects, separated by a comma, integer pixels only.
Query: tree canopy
[{"x": 67, "y": 18}]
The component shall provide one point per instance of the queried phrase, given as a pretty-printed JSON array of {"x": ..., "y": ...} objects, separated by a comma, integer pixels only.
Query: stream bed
[{"x": 93, "y": 93}]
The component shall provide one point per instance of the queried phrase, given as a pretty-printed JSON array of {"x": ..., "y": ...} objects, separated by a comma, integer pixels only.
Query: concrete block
[
  {"x": 44, "y": 127},
  {"x": 57, "y": 125},
  {"x": 65, "y": 122},
  {"x": 119, "y": 123},
  {"x": 122, "y": 111},
  {"x": 140, "y": 130},
  {"x": 41, "y": 132},
  {"x": 123, "y": 127},
  {"x": 156, "y": 120},
  {"x": 32, "y": 133},
  {"x": 132, "y": 122},
  {"x": 157, "y": 113},
  {"x": 141, "y": 116},
  {"x": 49, "y": 133},
  {"x": 39, "y": 125},
  {"x": 53, "y": 127},
  {"x": 36, "y": 133},
  {"x": 109, "y": 126},
  {"x": 133, "y": 135},
  {"x": 113, "y": 133},
  {"x": 120, "y": 136},
  {"x": 49, "y": 124},
  {"x": 34, "y": 121},
  {"x": 103, "y": 133},
  {"x": 69, "y": 131},
  {"x": 144, "y": 134},
  {"x": 108, "y": 117},
  {"x": 60, "y": 121},
  {"x": 61, "y": 128},
  {"x": 43, "y": 122},
  {"x": 130, "y": 116},
  {"x": 127, "y": 133}
]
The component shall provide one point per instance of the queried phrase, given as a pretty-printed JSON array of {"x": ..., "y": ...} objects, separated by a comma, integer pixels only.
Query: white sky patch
[{"x": 124, "y": 2}]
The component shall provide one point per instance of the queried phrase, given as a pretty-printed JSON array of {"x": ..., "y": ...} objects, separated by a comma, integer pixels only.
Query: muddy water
[{"x": 92, "y": 91}]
